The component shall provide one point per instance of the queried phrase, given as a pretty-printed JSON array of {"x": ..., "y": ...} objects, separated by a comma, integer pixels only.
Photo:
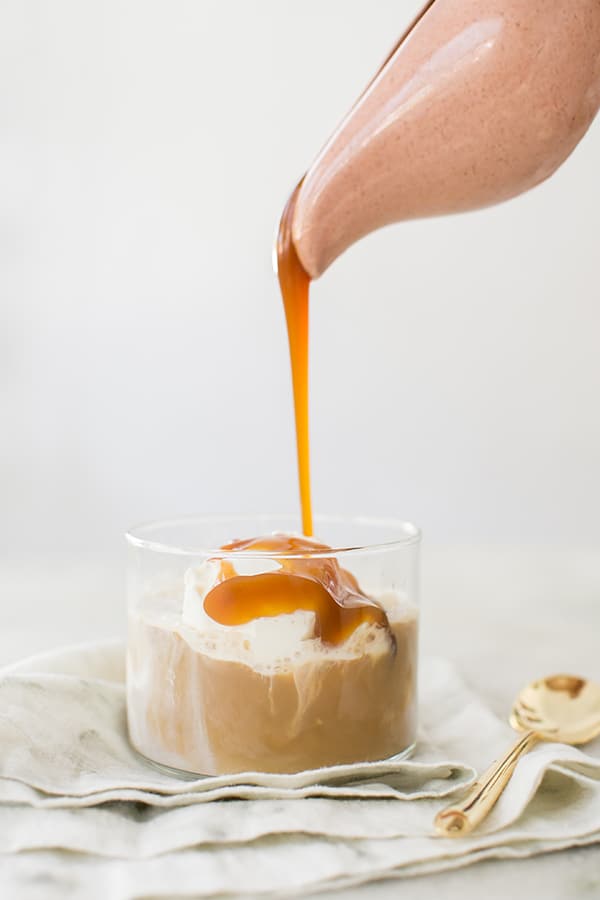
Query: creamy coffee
[
  {"x": 323, "y": 674},
  {"x": 193, "y": 709}
]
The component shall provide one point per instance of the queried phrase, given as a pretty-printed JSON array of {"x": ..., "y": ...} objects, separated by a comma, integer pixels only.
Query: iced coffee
[{"x": 274, "y": 654}]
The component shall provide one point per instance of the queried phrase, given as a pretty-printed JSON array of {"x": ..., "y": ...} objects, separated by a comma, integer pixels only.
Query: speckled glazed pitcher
[{"x": 479, "y": 101}]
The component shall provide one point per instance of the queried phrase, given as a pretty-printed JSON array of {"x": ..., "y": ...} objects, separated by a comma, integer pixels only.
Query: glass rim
[{"x": 410, "y": 536}]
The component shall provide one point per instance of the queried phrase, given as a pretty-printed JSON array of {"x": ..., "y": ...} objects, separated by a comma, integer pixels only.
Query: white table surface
[{"x": 503, "y": 616}]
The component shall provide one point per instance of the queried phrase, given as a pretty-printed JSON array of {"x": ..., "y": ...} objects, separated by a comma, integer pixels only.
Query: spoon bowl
[{"x": 561, "y": 708}]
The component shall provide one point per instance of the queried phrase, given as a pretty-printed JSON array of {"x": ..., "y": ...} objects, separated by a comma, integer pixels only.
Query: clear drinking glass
[{"x": 207, "y": 698}]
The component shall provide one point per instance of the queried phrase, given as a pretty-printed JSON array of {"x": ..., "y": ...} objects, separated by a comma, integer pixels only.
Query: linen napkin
[{"x": 81, "y": 814}]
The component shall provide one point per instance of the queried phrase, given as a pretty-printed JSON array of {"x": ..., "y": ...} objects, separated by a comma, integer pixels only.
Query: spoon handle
[{"x": 461, "y": 818}]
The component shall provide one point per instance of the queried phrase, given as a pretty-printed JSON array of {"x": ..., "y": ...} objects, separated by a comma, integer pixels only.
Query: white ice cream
[
  {"x": 272, "y": 643},
  {"x": 267, "y": 639}
]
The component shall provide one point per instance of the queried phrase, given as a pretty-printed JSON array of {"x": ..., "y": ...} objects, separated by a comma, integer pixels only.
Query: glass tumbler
[{"x": 275, "y": 693}]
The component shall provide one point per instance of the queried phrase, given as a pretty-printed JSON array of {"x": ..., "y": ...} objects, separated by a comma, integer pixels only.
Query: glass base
[{"x": 186, "y": 775}]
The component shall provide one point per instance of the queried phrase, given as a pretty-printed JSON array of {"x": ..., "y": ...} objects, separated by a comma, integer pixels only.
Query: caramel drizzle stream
[{"x": 294, "y": 282}]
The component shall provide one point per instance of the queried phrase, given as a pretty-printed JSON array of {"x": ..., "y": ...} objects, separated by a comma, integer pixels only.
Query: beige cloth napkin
[{"x": 81, "y": 815}]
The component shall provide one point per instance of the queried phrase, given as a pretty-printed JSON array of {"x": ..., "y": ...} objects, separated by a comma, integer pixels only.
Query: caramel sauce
[
  {"x": 295, "y": 283},
  {"x": 314, "y": 584},
  {"x": 319, "y": 584},
  {"x": 304, "y": 581}
]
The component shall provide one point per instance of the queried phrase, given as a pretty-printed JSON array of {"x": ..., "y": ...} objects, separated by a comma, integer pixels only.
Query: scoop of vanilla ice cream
[{"x": 268, "y": 638}]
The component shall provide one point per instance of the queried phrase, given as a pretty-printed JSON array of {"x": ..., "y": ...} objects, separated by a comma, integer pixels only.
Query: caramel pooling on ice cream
[{"x": 317, "y": 585}]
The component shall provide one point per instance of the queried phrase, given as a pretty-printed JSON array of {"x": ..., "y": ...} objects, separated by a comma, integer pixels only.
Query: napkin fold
[{"x": 81, "y": 814}]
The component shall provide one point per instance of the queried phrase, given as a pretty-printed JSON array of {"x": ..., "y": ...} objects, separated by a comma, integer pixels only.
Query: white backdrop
[{"x": 146, "y": 150}]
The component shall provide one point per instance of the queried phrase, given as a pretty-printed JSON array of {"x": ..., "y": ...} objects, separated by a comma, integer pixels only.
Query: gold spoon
[{"x": 561, "y": 708}]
